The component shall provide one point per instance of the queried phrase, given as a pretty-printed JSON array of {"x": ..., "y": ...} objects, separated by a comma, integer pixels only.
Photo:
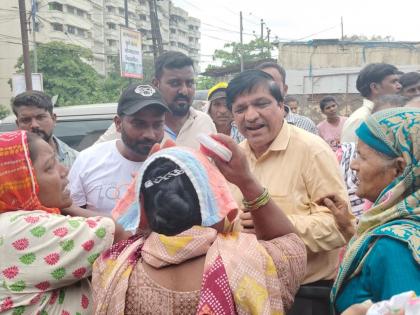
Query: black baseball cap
[{"x": 138, "y": 96}]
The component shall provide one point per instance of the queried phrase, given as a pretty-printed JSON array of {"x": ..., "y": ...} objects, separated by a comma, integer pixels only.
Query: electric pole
[
  {"x": 241, "y": 29},
  {"x": 126, "y": 12},
  {"x": 342, "y": 29},
  {"x": 154, "y": 24},
  {"x": 268, "y": 40},
  {"x": 34, "y": 9},
  {"x": 25, "y": 45},
  {"x": 262, "y": 36}
]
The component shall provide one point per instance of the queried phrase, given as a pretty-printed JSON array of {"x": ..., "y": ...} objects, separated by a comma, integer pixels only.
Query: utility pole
[
  {"x": 268, "y": 40},
  {"x": 262, "y": 36},
  {"x": 126, "y": 12},
  {"x": 342, "y": 29},
  {"x": 241, "y": 29},
  {"x": 156, "y": 35},
  {"x": 34, "y": 9},
  {"x": 25, "y": 45}
]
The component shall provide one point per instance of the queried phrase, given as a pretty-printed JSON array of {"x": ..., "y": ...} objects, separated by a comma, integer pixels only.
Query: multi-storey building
[{"x": 95, "y": 24}]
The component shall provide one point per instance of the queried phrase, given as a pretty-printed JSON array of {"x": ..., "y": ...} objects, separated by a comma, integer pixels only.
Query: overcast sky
[{"x": 301, "y": 19}]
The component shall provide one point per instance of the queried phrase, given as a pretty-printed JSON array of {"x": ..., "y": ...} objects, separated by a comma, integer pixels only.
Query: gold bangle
[{"x": 257, "y": 203}]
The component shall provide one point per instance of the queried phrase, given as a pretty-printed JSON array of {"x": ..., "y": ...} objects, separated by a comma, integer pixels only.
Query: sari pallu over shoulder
[{"x": 232, "y": 283}]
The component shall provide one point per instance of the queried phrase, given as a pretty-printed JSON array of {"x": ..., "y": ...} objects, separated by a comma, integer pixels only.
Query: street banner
[{"x": 131, "y": 63}]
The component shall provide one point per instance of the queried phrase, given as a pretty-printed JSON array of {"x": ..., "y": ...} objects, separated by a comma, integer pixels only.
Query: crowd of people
[{"x": 145, "y": 222}]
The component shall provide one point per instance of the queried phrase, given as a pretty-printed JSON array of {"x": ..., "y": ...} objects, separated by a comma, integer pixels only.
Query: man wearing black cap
[{"x": 101, "y": 174}]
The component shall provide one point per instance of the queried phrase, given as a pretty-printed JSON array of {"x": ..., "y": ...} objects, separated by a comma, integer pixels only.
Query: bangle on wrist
[{"x": 257, "y": 203}]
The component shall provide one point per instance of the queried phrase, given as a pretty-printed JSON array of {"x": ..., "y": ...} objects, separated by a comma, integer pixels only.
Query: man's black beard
[
  {"x": 134, "y": 146},
  {"x": 180, "y": 111}
]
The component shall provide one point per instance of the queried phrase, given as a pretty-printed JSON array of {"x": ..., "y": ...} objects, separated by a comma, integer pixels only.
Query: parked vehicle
[
  {"x": 81, "y": 125},
  {"x": 78, "y": 126}
]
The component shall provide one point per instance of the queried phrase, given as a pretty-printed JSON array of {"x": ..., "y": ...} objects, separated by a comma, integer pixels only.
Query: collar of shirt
[
  {"x": 190, "y": 120},
  {"x": 279, "y": 144}
]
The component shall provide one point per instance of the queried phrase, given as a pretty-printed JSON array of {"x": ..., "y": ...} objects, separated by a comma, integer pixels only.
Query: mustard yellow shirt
[{"x": 298, "y": 169}]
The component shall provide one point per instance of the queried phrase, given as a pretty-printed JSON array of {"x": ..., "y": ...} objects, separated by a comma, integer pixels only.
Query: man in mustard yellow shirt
[{"x": 297, "y": 167}]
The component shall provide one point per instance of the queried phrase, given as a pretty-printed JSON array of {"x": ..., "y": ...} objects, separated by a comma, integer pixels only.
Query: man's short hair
[
  {"x": 289, "y": 99},
  {"x": 389, "y": 101},
  {"x": 247, "y": 81},
  {"x": 270, "y": 64},
  {"x": 373, "y": 73},
  {"x": 409, "y": 78},
  {"x": 171, "y": 60},
  {"x": 325, "y": 100},
  {"x": 32, "y": 98}
]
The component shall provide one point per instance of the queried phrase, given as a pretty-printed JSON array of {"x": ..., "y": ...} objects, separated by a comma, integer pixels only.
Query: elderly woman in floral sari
[
  {"x": 383, "y": 257},
  {"x": 186, "y": 261}
]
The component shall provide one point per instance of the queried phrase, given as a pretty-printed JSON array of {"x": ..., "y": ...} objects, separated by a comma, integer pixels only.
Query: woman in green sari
[{"x": 383, "y": 257}]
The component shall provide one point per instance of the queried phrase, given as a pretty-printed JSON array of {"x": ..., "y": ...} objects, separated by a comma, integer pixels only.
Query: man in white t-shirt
[{"x": 101, "y": 174}]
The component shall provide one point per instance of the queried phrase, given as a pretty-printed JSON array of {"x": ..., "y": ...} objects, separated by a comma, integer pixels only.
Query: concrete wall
[{"x": 311, "y": 55}]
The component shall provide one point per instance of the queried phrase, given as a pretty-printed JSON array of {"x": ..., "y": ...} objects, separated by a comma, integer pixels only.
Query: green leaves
[
  {"x": 254, "y": 50},
  {"x": 68, "y": 73}
]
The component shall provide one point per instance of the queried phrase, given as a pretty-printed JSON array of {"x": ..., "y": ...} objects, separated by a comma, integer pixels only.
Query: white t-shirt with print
[{"x": 100, "y": 176}]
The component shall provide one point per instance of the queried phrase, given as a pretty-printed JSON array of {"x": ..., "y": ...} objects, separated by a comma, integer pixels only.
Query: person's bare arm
[{"x": 269, "y": 220}]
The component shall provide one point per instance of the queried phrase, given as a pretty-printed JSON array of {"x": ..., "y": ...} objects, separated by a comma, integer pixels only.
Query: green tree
[
  {"x": 254, "y": 50},
  {"x": 4, "y": 111},
  {"x": 205, "y": 82},
  {"x": 66, "y": 73}
]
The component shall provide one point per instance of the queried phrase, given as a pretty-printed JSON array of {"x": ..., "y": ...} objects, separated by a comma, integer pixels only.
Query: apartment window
[
  {"x": 109, "y": 59},
  {"x": 110, "y": 9},
  {"x": 80, "y": 12},
  {"x": 173, "y": 31},
  {"x": 57, "y": 27},
  {"x": 121, "y": 11},
  {"x": 191, "y": 27},
  {"x": 55, "y": 6},
  {"x": 143, "y": 2},
  {"x": 143, "y": 17},
  {"x": 71, "y": 9},
  {"x": 81, "y": 32},
  {"x": 112, "y": 42},
  {"x": 190, "y": 39},
  {"x": 111, "y": 26},
  {"x": 71, "y": 29}
]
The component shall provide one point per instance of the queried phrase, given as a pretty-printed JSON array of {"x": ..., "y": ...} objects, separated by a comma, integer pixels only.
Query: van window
[{"x": 81, "y": 134}]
